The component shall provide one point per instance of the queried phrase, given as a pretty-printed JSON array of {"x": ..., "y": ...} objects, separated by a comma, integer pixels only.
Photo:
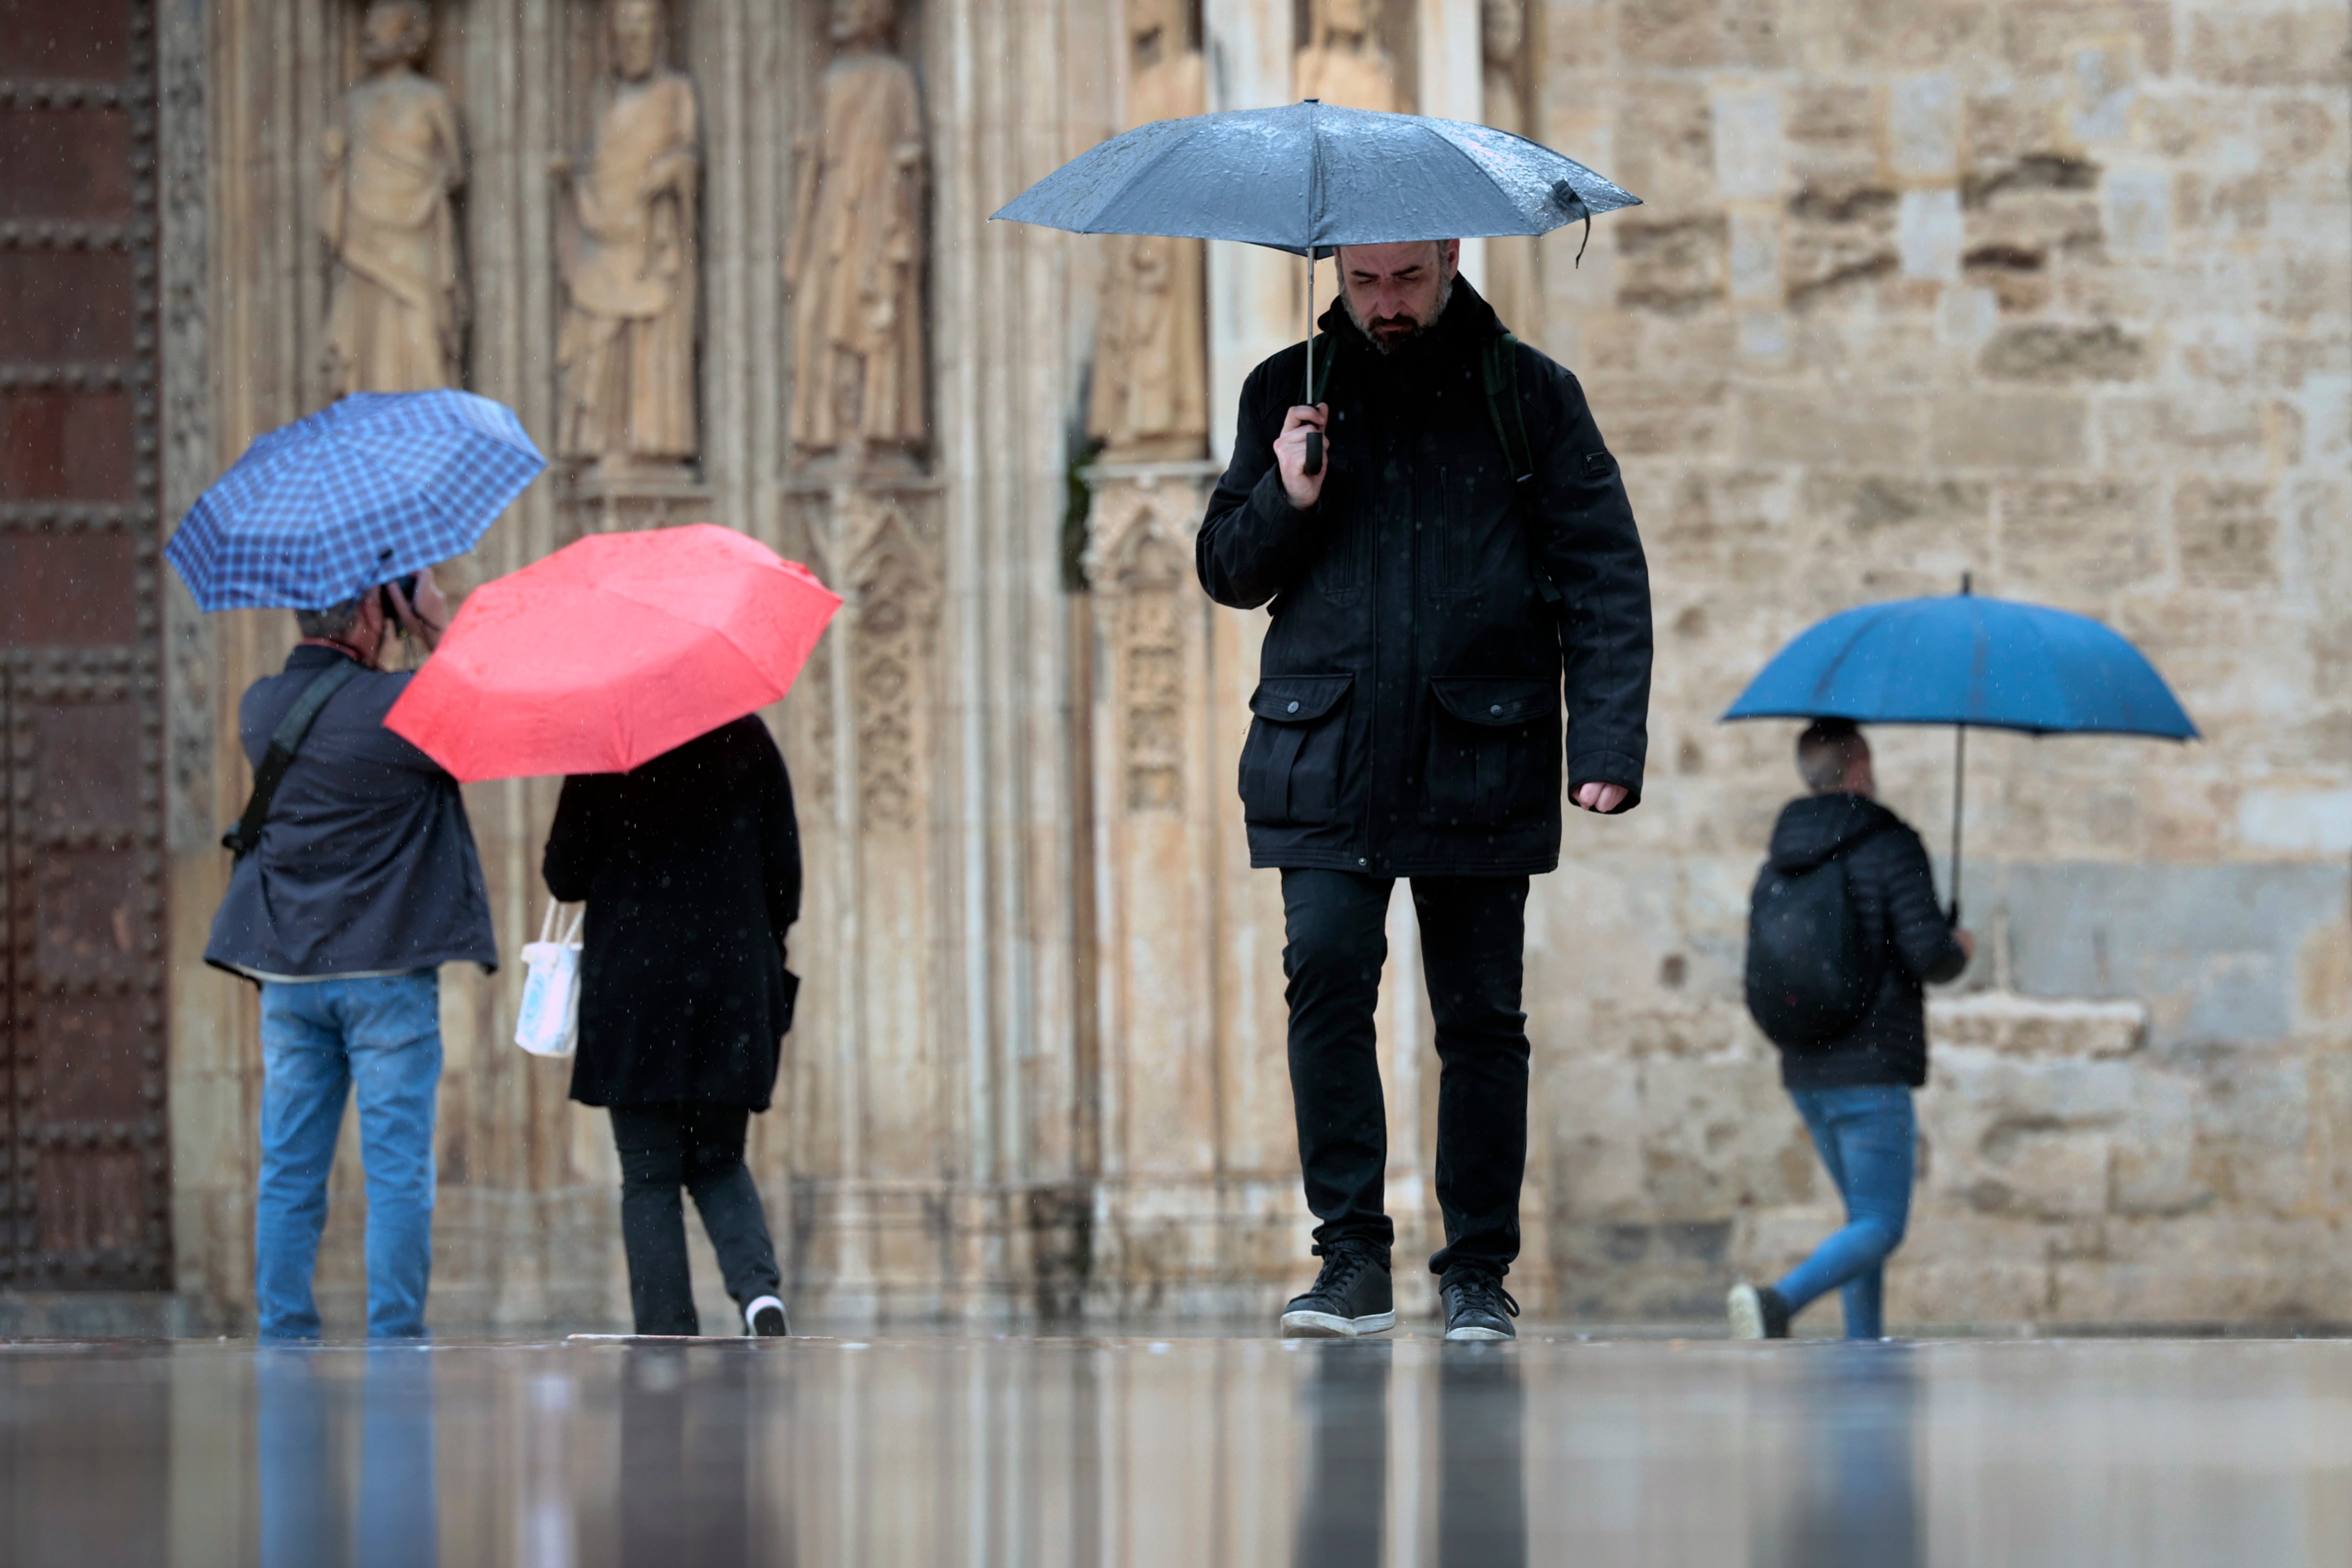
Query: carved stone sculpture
[
  {"x": 855, "y": 265},
  {"x": 1514, "y": 286},
  {"x": 396, "y": 292},
  {"x": 630, "y": 257},
  {"x": 1343, "y": 63},
  {"x": 1150, "y": 399}
]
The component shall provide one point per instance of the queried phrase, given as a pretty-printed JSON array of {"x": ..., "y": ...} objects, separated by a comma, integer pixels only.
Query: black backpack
[{"x": 1809, "y": 975}]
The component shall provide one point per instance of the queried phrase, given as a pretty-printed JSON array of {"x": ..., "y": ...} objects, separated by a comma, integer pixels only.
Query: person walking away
[
  {"x": 362, "y": 881},
  {"x": 691, "y": 865},
  {"x": 1844, "y": 933},
  {"x": 1465, "y": 548}
]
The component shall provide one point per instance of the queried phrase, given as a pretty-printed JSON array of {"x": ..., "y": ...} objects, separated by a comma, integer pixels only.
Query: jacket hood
[
  {"x": 1814, "y": 827},
  {"x": 1467, "y": 323}
]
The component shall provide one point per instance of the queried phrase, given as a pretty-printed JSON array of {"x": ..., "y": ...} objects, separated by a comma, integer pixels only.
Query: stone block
[
  {"x": 2227, "y": 534},
  {"x": 2008, "y": 1024},
  {"x": 1750, "y": 158},
  {"x": 1689, "y": 35},
  {"x": 2271, "y": 46},
  {"x": 2096, "y": 535},
  {"x": 1640, "y": 416},
  {"x": 1930, "y": 233},
  {"x": 1841, "y": 234},
  {"x": 2046, "y": 351},
  {"x": 2044, "y": 39},
  {"x": 1924, "y": 126},
  {"x": 1847, "y": 428},
  {"x": 1833, "y": 130},
  {"x": 1676, "y": 266},
  {"x": 2006, "y": 430}
]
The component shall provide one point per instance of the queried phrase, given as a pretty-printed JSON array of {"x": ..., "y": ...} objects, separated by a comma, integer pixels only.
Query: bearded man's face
[{"x": 1394, "y": 292}]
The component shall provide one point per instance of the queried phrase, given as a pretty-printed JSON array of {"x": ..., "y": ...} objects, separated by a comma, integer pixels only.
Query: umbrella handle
[{"x": 1314, "y": 464}]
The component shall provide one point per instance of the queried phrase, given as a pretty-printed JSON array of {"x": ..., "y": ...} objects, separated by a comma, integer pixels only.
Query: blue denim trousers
[
  {"x": 1867, "y": 1137},
  {"x": 320, "y": 1040}
]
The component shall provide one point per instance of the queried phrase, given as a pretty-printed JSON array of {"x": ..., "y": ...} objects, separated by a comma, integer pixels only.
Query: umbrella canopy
[
  {"x": 365, "y": 491},
  {"x": 1968, "y": 660},
  {"x": 1308, "y": 176},
  {"x": 612, "y": 651}
]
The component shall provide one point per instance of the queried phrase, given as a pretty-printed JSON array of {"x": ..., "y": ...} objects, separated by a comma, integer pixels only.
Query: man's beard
[{"x": 1389, "y": 346}]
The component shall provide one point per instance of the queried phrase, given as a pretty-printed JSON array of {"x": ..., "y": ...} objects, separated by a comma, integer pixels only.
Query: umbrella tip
[
  {"x": 1968, "y": 582},
  {"x": 1310, "y": 101}
]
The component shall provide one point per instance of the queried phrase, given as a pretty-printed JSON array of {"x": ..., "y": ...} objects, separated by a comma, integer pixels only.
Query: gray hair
[
  {"x": 334, "y": 621},
  {"x": 1826, "y": 751}
]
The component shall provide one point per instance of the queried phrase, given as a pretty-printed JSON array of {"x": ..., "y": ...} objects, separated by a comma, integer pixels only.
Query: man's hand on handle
[
  {"x": 1290, "y": 455},
  {"x": 1603, "y": 799}
]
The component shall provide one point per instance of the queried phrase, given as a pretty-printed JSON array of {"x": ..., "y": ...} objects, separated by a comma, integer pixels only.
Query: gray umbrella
[{"x": 1308, "y": 177}]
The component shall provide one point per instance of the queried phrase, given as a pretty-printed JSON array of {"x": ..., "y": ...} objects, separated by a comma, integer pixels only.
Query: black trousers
[
  {"x": 699, "y": 1147},
  {"x": 1473, "y": 933}
]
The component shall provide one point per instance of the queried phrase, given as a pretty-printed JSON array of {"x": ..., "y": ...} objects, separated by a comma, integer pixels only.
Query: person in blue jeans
[
  {"x": 364, "y": 880},
  {"x": 1855, "y": 1092}
]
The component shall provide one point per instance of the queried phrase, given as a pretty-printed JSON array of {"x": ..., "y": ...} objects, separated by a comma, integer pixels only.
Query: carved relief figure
[
  {"x": 630, "y": 258},
  {"x": 397, "y": 298},
  {"x": 1514, "y": 286},
  {"x": 1150, "y": 397},
  {"x": 855, "y": 266},
  {"x": 1343, "y": 63}
]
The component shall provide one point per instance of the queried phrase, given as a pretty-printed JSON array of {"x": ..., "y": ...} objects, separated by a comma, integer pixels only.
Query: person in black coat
[
  {"x": 1855, "y": 1092},
  {"x": 1429, "y": 607},
  {"x": 690, "y": 866}
]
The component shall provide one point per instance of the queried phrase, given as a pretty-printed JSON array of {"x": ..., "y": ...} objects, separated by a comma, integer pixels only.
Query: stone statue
[
  {"x": 854, "y": 263},
  {"x": 1150, "y": 399},
  {"x": 624, "y": 358},
  {"x": 1514, "y": 286},
  {"x": 1343, "y": 63},
  {"x": 397, "y": 293}
]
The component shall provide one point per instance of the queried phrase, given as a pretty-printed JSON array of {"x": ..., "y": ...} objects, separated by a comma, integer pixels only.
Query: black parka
[
  {"x": 1407, "y": 718},
  {"x": 1905, "y": 939},
  {"x": 692, "y": 869}
]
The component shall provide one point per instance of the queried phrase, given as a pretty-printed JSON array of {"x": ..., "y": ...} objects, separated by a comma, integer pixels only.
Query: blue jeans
[
  {"x": 319, "y": 1039},
  {"x": 1866, "y": 1137}
]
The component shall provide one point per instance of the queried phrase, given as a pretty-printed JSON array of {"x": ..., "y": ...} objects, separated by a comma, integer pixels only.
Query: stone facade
[{"x": 2059, "y": 294}]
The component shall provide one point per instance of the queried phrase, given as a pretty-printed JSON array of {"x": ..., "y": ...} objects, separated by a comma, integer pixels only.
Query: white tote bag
[{"x": 549, "y": 1022}]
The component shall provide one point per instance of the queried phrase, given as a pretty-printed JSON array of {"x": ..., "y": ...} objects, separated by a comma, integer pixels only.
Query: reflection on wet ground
[{"x": 1235, "y": 1451}]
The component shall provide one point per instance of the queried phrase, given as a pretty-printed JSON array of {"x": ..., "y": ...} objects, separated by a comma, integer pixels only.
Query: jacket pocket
[
  {"x": 1494, "y": 751},
  {"x": 1290, "y": 763},
  {"x": 1444, "y": 510}
]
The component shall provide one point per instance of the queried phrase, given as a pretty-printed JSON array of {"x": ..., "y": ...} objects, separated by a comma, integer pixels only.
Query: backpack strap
[
  {"x": 1499, "y": 369},
  {"x": 284, "y": 741}
]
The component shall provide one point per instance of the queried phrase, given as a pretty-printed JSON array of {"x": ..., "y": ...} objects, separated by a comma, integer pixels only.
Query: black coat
[
  {"x": 691, "y": 868},
  {"x": 1903, "y": 935},
  {"x": 1408, "y": 709}
]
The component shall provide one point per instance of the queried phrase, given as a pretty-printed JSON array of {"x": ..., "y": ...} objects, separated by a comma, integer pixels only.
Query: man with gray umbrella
[{"x": 1445, "y": 542}]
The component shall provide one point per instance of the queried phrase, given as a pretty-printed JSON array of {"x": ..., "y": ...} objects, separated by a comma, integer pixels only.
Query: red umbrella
[{"x": 611, "y": 651}]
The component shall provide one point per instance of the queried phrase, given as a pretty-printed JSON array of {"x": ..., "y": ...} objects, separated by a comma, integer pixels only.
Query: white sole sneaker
[
  {"x": 1330, "y": 1326},
  {"x": 763, "y": 1306},
  {"x": 1467, "y": 1335},
  {"x": 1746, "y": 1311}
]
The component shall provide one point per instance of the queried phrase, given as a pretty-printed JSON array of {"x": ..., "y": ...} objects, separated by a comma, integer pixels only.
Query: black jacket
[
  {"x": 366, "y": 865},
  {"x": 691, "y": 868},
  {"x": 1904, "y": 935},
  {"x": 1408, "y": 709}
]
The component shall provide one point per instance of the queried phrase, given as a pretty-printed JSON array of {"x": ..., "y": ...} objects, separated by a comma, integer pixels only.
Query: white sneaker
[{"x": 764, "y": 1317}]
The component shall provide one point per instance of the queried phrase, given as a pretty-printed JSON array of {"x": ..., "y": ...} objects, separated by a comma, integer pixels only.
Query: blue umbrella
[
  {"x": 1968, "y": 661},
  {"x": 365, "y": 491},
  {"x": 1308, "y": 177}
]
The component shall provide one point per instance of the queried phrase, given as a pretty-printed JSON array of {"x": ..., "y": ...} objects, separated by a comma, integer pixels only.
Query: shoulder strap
[
  {"x": 1499, "y": 367},
  {"x": 284, "y": 741}
]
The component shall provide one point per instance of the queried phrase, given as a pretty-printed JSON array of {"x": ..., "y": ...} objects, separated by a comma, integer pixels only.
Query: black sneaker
[
  {"x": 1758, "y": 1312},
  {"x": 1351, "y": 1296},
  {"x": 1476, "y": 1305},
  {"x": 765, "y": 1318}
]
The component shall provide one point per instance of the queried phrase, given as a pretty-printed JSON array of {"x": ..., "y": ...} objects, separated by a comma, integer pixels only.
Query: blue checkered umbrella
[{"x": 364, "y": 491}]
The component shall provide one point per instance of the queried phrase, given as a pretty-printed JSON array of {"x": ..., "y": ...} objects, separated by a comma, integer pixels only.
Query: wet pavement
[{"x": 1133, "y": 1451}]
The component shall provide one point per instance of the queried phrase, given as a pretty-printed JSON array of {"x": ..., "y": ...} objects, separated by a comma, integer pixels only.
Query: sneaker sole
[
  {"x": 1330, "y": 1325},
  {"x": 1746, "y": 1309},
  {"x": 1467, "y": 1335}
]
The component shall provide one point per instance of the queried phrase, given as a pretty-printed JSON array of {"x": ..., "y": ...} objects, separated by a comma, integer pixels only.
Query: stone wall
[{"x": 2059, "y": 294}]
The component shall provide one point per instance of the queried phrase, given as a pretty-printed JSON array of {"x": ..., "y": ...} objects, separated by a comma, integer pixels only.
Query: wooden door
[{"x": 84, "y": 1150}]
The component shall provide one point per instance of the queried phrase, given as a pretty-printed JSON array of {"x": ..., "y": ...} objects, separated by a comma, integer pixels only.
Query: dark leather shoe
[
  {"x": 1351, "y": 1296},
  {"x": 1476, "y": 1305}
]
